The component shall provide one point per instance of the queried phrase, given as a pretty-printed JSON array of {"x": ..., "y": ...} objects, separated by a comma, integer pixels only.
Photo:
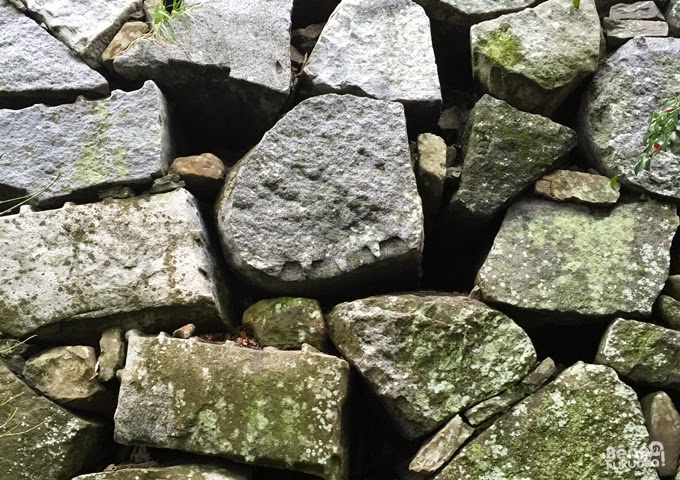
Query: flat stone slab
[
  {"x": 575, "y": 423},
  {"x": 42, "y": 440},
  {"x": 625, "y": 92},
  {"x": 139, "y": 262},
  {"x": 275, "y": 408},
  {"x": 663, "y": 424},
  {"x": 441, "y": 447},
  {"x": 520, "y": 57},
  {"x": 464, "y": 13},
  {"x": 579, "y": 187},
  {"x": 178, "y": 472},
  {"x": 373, "y": 50},
  {"x": 427, "y": 358},
  {"x": 327, "y": 202},
  {"x": 643, "y": 353},
  {"x": 86, "y": 27},
  {"x": 36, "y": 67},
  {"x": 562, "y": 263},
  {"x": 81, "y": 149},
  {"x": 619, "y": 32},
  {"x": 646, "y": 10}
]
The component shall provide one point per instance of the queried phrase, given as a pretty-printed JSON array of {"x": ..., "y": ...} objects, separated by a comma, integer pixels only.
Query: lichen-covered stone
[
  {"x": 673, "y": 17},
  {"x": 277, "y": 408},
  {"x": 178, "y": 472},
  {"x": 663, "y": 424},
  {"x": 327, "y": 202},
  {"x": 564, "y": 262},
  {"x": 504, "y": 151},
  {"x": 287, "y": 323},
  {"x": 141, "y": 262},
  {"x": 645, "y": 10},
  {"x": 619, "y": 32},
  {"x": 127, "y": 34},
  {"x": 580, "y": 187},
  {"x": 112, "y": 353},
  {"x": 564, "y": 431},
  {"x": 625, "y": 92},
  {"x": 373, "y": 49},
  {"x": 439, "y": 449},
  {"x": 41, "y": 440},
  {"x": 431, "y": 172},
  {"x": 36, "y": 67},
  {"x": 521, "y": 57},
  {"x": 83, "y": 148},
  {"x": 429, "y": 357},
  {"x": 642, "y": 352},
  {"x": 668, "y": 308}
]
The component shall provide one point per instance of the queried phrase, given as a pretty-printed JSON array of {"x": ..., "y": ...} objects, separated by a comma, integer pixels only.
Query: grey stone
[
  {"x": 646, "y": 10},
  {"x": 579, "y": 187},
  {"x": 127, "y": 34},
  {"x": 85, "y": 27},
  {"x": 375, "y": 49},
  {"x": 140, "y": 261},
  {"x": 36, "y": 67},
  {"x": 668, "y": 308},
  {"x": 504, "y": 152},
  {"x": 521, "y": 57},
  {"x": 66, "y": 375},
  {"x": 673, "y": 17},
  {"x": 40, "y": 440},
  {"x": 441, "y": 447},
  {"x": 663, "y": 424},
  {"x": 304, "y": 39},
  {"x": 464, "y": 13},
  {"x": 166, "y": 184},
  {"x": 619, "y": 32},
  {"x": 563, "y": 263},
  {"x": 178, "y": 472},
  {"x": 626, "y": 91},
  {"x": 112, "y": 353},
  {"x": 287, "y": 323},
  {"x": 673, "y": 286},
  {"x": 427, "y": 358},
  {"x": 566, "y": 430},
  {"x": 642, "y": 352},
  {"x": 326, "y": 202},
  {"x": 431, "y": 172},
  {"x": 278, "y": 408},
  {"x": 85, "y": 147}
]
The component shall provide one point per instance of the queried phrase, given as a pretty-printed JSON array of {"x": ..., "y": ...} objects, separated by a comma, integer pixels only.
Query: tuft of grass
[
  {"x": 26, "y": 198},
  {"x": 576, "y": 4},
  {"x": 163, "y": 12}
]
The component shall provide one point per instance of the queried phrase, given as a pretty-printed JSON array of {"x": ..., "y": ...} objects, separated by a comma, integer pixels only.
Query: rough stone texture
[
  {"x": 276, "y": 408},
  {"x": 561, "y": 432},
  {"x": 375, "y": 49},
  {"x": 464, "y": 13},
  {"x": 429, "y": 357},
  {"x": 140, "y": 261},
  {"x": 221, "y": 61},
  {"x": 439, "y": 449},
  {"x": 36, "y": 67},
  {"x": 619, "y": 32},
  {"x": 85, "y": 27},
  {"x": 646, "y": 10},
  {"x": 66, "y": 375},
  {"x": 85, "y": 147},
  {"x": 326, "y": 202},
  {"x": 579, "y": 187},
  {"x": 304, "y": 39},
  {"x": 431, "y": 172},
  {"x": 203, "y": 174},
  {"x": 673, "y": 17},
  {"x": 521, "y": 57},
  {"x": 112, "y": 353},
  {"x": 626, "y": 90},
  {"x": 642, "y": 352},
  {"x": 505, "y": 151},
  {"x": 54, "y": 444},
  {"x": 668, "y": 309},
  {"x": 287, "y": 323},
  {"x": 562, "y": 262},
  {"x": 127, "y": 34},
  {"x": 663, "y": 424},
  {"x": 179, "y": 472}
]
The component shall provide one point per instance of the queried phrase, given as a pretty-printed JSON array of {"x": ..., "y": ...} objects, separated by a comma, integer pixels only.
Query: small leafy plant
[
  {"x": 576, "y": 3},
  {"x": 663, "y": 134},
  {"x": 163, "y": 12}
]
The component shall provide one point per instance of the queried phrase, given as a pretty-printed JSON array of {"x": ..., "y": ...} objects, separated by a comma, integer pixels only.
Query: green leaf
[
  {"x": 614, "y": 182},
  {"x": 577, "y": 3}
]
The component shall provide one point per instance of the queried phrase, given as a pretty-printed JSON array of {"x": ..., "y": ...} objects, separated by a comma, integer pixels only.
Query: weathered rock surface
[
  {"x": 36, "y": 67},
  {"x": 580, "y": 187},
  {"x": 429, "y": 357},
  {"x": 203, "y": 174},
  {"x": 221, "y": 60},
  {"x": 668, "y": 309},
  {"x": 646, "y": 10},
  {"x": 505, "y": 151},
  {"x": 619, "y": 32},
  {"x": 439, "y": 449},
  {"x": 663, "y": 424},
  {"x": 127, "y": 34},
  {"x": 572, "y": 422},
  {"x": 179, "y": 472},
  {"x": 112, "y": 353},
  {"x": 642, "y": 352},
  {"x": 560, "y": 262},
  {"x": 87, "y": 28},
  {"x": 431, "y": 172},
  {"x": 85, "y": 147},
  {"x": 327, "y": 202},
  {"x": 275, "y": 408},
  {"x": 464, "y": 13},
  {"x": 673, "y": 17},
  {"x": 66, "y": 375},
  {"x": 521, "y": 57},
  {"x": 373, "y": 50},
  {"x": 136, "y": 262},
  {"x": 627, "y": 89},
  {"x": 287, "y": 323},
  {"x": 42, "y": 440}
]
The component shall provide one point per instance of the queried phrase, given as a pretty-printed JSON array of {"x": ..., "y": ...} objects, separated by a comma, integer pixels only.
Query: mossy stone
[{"x": 178, "y": 472}]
